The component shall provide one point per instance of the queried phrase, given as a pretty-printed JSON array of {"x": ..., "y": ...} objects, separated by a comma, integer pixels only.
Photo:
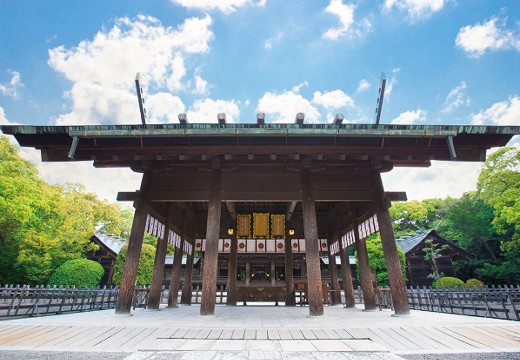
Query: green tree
[
  {"x": 408, "y": 217},
  {"x": 499, "y": 187},
  {"x": 432, "y": 252},
  {"x": 26, "y": 212},
  {"x": 376, "y": 259},
  {"x": 42, "y": 225},
  {"x": 145, "y": 269}
]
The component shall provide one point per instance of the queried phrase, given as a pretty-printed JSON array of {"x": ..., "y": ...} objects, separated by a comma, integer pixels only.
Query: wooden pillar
[
  {"x": 209, "y": 279},
  {"x": 393, "y": 266},
  {"x": 232, "y": 271},
  {"x": 369, "y": 295},
  {"x": 111, "y": 272},
  {"x": 346, "y": 272},
  {"x": 186, "y": 287},
  {"x": 290, "y": 299},
  {"x": 154, "y": 296},
  {"x": 173, "y": 292},
  {"x": 248, "y": 272},
  {"x": 127, "y": 286},
  {"x": 272, "y": 275},
  {"x": 312, "y": 248},
  {"x": 333, "y": 270}
]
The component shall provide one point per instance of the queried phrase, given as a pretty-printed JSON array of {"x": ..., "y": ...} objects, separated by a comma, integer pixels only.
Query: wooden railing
[
  {"x": 499, "y": 302},
  {"x": 19, "y": 301}
]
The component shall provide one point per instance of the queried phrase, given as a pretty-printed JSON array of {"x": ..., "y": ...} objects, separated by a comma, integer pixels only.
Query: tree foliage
[
  {"x": 145, "y": 269},
  {"x": 485, "y": 222},
  {"x": 432, "y": 252},
  {"x": 499, "y": 187},
  {"x": 42, "y": 225},
  {"x": 448, "y": 282},
  {"x": 376, "y": 259}
]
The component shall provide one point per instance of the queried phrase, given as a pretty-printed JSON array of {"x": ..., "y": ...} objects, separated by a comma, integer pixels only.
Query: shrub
[
  {"x": 78, "y": 272},
  {"x": 145, "y": 269},
  {"x": 471, "y": 283},
  {"x": 448, "y": 282}
]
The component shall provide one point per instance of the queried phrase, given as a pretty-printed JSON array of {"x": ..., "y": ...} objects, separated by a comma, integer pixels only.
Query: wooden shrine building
[
  {"x": 417, "y": 267},
  {"x": 300, "y": 188}
]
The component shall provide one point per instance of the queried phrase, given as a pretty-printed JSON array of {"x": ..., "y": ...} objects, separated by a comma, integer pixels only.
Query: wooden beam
[
  {"x": 231, "y": 209},
  {"x": 251, "y": 196},
  {"x": 290, "y": 210}
]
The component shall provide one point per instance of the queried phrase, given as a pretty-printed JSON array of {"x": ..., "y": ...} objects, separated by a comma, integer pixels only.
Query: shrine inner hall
[{"x": 262, "y": 201}]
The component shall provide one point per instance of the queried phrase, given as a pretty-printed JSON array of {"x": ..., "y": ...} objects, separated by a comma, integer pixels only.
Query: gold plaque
[
  {"x": 244, "y": 226},
  {"x": 260, "y": 225},
  {"x": 277, "y": 226}
]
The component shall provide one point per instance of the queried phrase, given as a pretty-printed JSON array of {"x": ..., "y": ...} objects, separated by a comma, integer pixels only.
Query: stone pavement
[{"x": 258, "y": 332}]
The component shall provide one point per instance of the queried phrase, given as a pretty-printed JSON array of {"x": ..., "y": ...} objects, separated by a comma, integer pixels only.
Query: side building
[{"x": 417, "y": 268}]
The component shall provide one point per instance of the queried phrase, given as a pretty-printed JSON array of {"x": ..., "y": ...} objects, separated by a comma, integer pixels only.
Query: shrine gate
[{"x": 262, "y": 191}]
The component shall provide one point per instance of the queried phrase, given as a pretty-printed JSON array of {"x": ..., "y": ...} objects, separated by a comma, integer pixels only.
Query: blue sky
[{"x": 446, "y": 62}]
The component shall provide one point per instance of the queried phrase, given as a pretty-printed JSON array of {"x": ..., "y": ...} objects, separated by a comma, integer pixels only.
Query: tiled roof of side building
[
  {"x": 408, "y": 242},
  {"x": 111, "y": 242}
]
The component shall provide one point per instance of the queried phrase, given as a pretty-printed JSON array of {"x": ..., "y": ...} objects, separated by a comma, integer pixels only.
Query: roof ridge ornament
[
  {"x": 381, "y": 95},
  {"x": 140, "y": 98}
]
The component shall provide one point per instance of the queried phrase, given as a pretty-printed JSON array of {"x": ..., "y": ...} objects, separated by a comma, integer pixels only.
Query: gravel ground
[
  {"x": 54, "y": 355},
  {"x": 464, "y": 356}
]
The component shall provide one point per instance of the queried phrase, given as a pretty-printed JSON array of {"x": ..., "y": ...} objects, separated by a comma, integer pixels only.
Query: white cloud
[
  {"x": 14, "y": 85},
  {"x": 201, "y": 85},
  {"x": 348, "y": 27},
  {"x": 410, "y": 117},
  {"x": 440, "y": 180},
  {"x": 389, "y": 87},
  {"x": 178, "y": 71},
  {"x": 363, "y": 85},
  {"x": 104, "y": 182},
  {"x": 226, "y": 6},
  {"x": 332, "y": 99},
  {"x": 297, "y": 88},
  {"x": 93, "y": 103},
  {"x": 416, "y": 9},
  {"x": 3, "y": 119},
  {"x": 164, "y": 108},
  {"x": 102, "y": 70},
  {"x": 268, "y": 44},
  {"x": 282, "y": 108},
  {"x": 205, "y": 111},
  {"x": 492, "y": 35},
  {"x": 456, "y": 98},
  {"x": 501, "y": 113}
]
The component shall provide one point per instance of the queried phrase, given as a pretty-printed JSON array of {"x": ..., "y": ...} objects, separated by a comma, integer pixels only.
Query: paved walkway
[{"x": 258, "y": 332}]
